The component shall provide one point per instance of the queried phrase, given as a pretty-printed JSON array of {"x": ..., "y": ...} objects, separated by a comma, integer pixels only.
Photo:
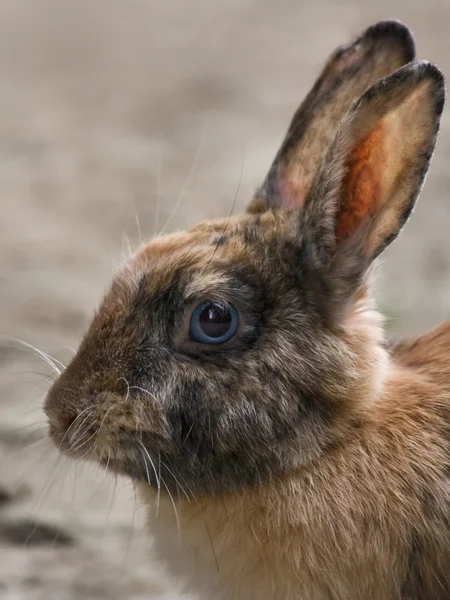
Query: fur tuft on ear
[
  {"x": 372, "y": 174},
  {"x": 351, "y": 69}
]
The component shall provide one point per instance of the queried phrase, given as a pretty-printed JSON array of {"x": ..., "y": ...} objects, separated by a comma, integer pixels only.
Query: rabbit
[{"x": 239, "y": 373}]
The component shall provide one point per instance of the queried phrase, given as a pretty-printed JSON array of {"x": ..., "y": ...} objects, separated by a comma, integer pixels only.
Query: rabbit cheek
[{"x": 218, "y": 446}]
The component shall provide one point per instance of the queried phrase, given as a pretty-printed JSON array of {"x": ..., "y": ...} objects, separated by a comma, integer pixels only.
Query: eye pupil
[
  {"x": 213, "y": 323},
  {"x": 215, "y": 320}
]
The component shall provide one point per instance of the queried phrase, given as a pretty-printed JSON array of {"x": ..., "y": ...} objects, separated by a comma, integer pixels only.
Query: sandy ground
[{"x": 119, "y": 118}]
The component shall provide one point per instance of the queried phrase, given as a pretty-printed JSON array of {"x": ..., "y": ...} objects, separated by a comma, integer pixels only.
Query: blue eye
[{"x": 213, "y": 323}]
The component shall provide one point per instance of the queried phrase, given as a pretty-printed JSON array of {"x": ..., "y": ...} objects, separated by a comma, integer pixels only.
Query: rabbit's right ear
[
  {"x": 369, "y": 180},
  {"x": 379, "y": 51}
]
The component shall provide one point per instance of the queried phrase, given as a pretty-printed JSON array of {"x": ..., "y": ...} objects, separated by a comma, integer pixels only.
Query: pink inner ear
[{"x": 361, "y": 189}]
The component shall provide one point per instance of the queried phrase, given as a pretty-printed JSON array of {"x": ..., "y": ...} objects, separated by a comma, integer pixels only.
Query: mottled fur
[
  {"x": 305, "y": 460},
  {"x": 350, "y": 70}
]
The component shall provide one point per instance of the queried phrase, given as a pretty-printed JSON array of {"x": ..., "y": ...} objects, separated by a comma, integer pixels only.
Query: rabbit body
[
  {"x": 371, "y": 519},
  {"x": 238, "y": 372}
]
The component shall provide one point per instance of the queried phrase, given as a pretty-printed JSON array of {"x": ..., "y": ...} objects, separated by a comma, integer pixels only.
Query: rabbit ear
[
  {"x": 379, "y": 51},
  {"x": 371, "y": 175}
]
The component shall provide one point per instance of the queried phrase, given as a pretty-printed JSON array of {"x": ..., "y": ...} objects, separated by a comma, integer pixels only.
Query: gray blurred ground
[{"x": 114, "y": 113}]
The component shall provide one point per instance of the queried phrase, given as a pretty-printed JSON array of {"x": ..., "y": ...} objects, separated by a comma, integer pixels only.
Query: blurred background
[{"x": 120, "y": 118}]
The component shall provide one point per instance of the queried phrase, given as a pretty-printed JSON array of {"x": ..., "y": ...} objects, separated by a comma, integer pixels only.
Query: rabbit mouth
[{"x": 90, "y": 446}]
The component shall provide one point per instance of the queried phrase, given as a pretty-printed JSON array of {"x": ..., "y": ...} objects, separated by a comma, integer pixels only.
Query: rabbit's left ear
[
  {"x": 349, "y": 72},
  {"x": 372, "y": 174}
]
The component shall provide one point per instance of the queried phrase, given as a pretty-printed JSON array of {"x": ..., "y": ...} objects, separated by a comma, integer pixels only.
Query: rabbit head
[{"x": 241, "y": 349}]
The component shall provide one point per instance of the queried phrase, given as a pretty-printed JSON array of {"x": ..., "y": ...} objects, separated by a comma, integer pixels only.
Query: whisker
[
  {"x": 136, "y": 387},
  {"x": 183, "y": 479},
  {"x": 35, "y": 464},
  {"x": 152, "y": 464},
  {"x": 111, "y": 504},
  {"x": 158, "y": 494},
  {"x": 158, "y": 190},
  {"x": 78, "y": 440},
  {"x": 176, "y": 480},
  {"x": 16, "y": 426},
  {"x": 187, "y": 182},
  {"x": 73, "y": 495},
  {"x": 189, "y": 432},
  {"x": 78, "y": 433},
  {"x": 231, "y": 211},
  {"x": 22, "y": 436},
  {"x": 133, "y": 523},
  {"x": 30, "y": 411},
  {"x": 22, "y": 417},
  {"x": 63, "y": 481},
  {"x": 50, "y": 480},
  {"x": 146, "y": 467},
  {"x": 6, "y": 429},
  {"x": 127, "y": 384},
  {"x": 108, "y": 459},
  {"x": 56, "y": 537},
  {"x": 25, "y": 413},
  {"x": 51, "y": 376},
  {"x": 96, "y": 434},
  {"x": 24, "y": 446},
  {"x": 49, "y": 360},
  {"x": 89, "y": 408},
  {"x": 126, "y": 242},
  {"x": 138, "y": 225},
  {"x": 91, "y": 448},
  {"x": 66, "y": 347},
  {"x": 177, "y": 518},
  {"x": 211, "y": 543},
  {"x": 102, "y": 422},
  {"x": 97, "y": 470}
]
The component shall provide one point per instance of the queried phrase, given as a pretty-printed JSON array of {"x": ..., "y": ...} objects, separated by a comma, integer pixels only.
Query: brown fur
[
  {"x": 301, "y": 459},
  {"x": 348, "y": 527}
]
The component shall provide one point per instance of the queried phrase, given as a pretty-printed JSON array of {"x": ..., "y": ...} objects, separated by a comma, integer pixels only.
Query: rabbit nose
[
  {"x": 70, "y": 429},
  {"x": 64, "y": 409},
  {"x": 60, "y": 418}
]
